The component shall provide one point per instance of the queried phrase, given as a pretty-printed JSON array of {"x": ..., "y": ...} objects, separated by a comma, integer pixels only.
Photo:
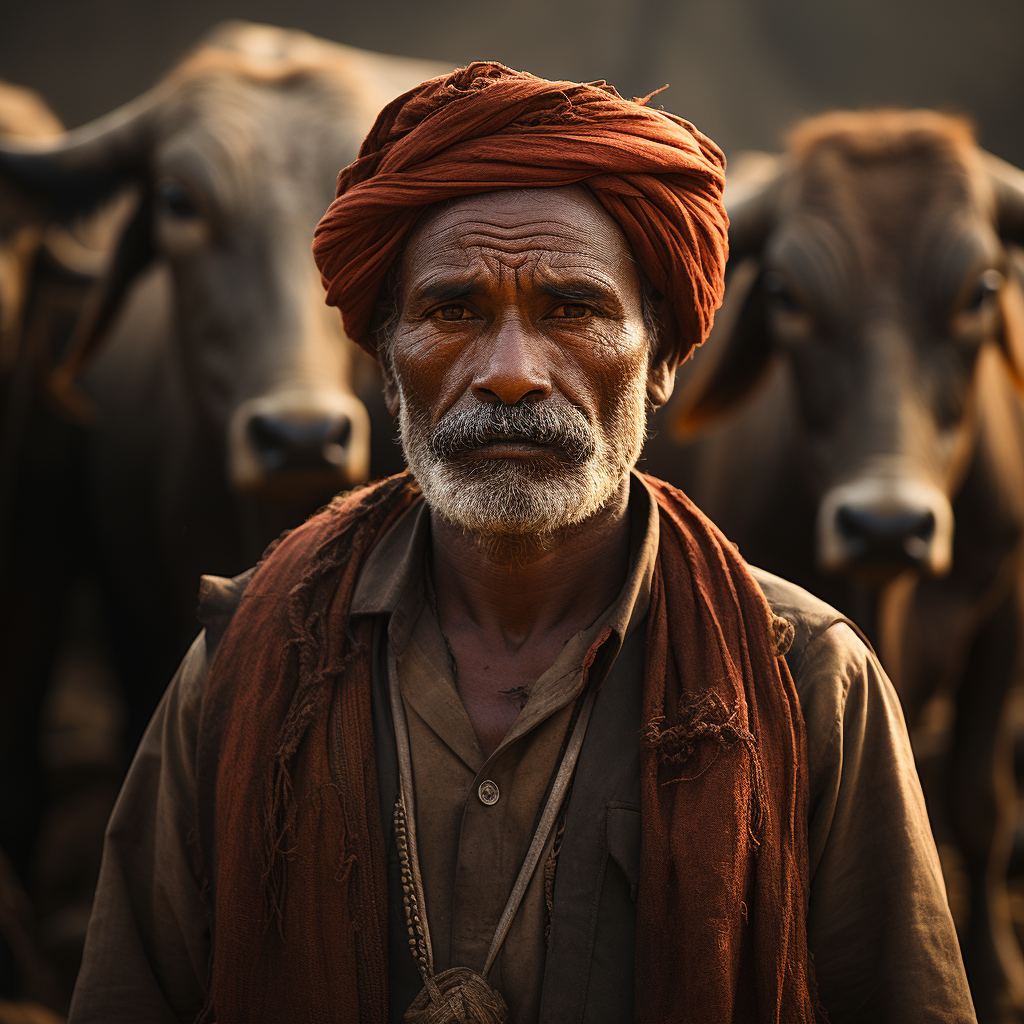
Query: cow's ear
[
  {"x": 734, "y": 359},
  {"x": 738, "y": 352},
  {"x": 753, "y": 188},
  {"x": 70, "y": 176},
  {"x": 1011, "y": 305},
  {"x": 134, "y": 253},
  {"x": 1007, "y": 183}
]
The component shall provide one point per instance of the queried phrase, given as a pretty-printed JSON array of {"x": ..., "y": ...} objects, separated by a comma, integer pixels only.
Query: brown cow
[
  {"x": 223, "y": 397},
  {"x": 874, "y": 296}
]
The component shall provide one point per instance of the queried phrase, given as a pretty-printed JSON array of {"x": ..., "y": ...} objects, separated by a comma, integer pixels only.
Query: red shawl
[{"x": 295, "y": 859}]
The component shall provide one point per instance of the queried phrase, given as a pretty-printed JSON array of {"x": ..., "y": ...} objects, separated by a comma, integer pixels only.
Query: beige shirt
[
  {"x": 471, "y": 851},
  {"x": 878, "y": 925}
]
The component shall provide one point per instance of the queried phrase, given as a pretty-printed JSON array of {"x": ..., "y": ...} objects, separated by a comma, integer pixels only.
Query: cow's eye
[
  {"x": 181, "y": 225},
  {"x": 986, "y": 288},
  {"x": 780, "y": 294},
  {"x": 175, "y": 202}
]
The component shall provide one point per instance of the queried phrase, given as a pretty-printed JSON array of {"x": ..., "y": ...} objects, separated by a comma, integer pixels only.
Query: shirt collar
[
  {"x": 396, "y": 563},
  {"x": 393, "y": 564}
]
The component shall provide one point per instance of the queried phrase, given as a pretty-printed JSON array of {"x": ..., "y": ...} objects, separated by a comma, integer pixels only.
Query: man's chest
[
  {"x": 570, "y": 948},
  {"x": 495, "y": 677}
]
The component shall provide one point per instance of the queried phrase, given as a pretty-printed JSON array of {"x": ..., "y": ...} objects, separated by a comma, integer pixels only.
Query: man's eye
[
  {"x": 572, "y": 312},
  {"x": 451, "y": 313}
]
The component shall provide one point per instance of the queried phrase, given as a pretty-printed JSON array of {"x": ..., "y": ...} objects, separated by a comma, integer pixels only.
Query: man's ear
[
  {"x": 391, "y": 396},
  {"x": 661, "y": 368},
  {"x": 735, "y": 358}
]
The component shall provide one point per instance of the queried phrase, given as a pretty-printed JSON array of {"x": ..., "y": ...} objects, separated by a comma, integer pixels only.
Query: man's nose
[{"x": 513, "y": 368}]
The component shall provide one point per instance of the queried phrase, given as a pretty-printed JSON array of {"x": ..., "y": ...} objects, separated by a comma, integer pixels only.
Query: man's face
[{"x": 520, "y": 360}]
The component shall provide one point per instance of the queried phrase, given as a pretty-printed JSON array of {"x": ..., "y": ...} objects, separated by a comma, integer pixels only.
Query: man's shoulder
[
  {"x": 824, "y": 638},
  {"x": 280, "y": 567},
  {"x": 384, "y": 562},
  {"x": 807, "y": 613},
  {"x": 218, "y": 602},
  {"x": 287, "y": 556}
]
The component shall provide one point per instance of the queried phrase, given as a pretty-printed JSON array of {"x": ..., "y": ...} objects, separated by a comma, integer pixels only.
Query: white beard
[{"x": 491, "y": 498}]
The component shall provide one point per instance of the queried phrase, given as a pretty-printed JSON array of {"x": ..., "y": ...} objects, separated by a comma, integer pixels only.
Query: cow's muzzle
[
  {"x": 876, "y": 526},
  {"x": 292, "y": 446}
]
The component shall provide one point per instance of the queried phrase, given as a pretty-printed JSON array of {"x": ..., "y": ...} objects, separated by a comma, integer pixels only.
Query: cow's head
[
  {"x": 234, "y": 157},
  {"x": 876, "y": 258}
]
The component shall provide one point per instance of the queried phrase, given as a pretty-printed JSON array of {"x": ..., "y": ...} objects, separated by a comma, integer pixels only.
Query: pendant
[{"x": 457, "y": 996}]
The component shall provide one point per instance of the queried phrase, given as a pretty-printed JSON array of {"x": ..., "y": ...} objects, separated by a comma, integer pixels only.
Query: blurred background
[{"x": 741, "y": 70}]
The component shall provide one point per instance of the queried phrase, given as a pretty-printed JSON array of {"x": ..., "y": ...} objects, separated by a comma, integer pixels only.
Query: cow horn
[
  {"x": 752, "y": 189},
  {"x": 1008, "y": 188},
  {"x": 71, "y": 174}
]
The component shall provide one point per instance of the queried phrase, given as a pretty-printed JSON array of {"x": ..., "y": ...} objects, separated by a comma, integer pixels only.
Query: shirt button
[{"x": 488, "y": 792}]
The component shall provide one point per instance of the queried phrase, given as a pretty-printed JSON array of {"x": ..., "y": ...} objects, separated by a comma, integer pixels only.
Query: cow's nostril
[
  {"x": 870, "y": 535},
  {"x": 282, "y": 443}
]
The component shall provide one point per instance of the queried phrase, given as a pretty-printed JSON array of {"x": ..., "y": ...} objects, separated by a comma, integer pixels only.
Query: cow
[
  {"x": 855, "y": 424},
  {"x": 40, "y": 296},
  {"x": 46, "y": 275},
  {"x": 218, "y": 384}
]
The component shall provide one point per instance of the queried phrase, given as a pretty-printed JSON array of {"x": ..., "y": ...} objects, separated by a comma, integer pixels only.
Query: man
[{"x": 515, "y": 737}]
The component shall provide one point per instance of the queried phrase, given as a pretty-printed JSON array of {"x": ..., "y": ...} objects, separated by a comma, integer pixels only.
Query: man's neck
[
  {"x": 507, "y": 610},
  {"x": 519, "y": 592}
]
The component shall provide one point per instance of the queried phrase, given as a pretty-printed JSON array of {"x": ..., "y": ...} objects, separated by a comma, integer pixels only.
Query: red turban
[{"x": 486, "y": 128}]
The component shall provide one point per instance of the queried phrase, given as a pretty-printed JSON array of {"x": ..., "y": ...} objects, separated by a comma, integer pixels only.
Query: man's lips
[{"x": 511, "y": 448}]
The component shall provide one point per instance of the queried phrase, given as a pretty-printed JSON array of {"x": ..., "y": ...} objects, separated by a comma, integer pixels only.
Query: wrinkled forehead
[{"x": 562, "y": 228}]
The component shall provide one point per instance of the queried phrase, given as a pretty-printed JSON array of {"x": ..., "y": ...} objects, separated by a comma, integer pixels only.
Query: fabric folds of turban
[{"x": 486, "y": 128}]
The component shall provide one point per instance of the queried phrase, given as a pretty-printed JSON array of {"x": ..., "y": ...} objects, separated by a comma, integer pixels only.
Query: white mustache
[{"x": 543, "y": 423}]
